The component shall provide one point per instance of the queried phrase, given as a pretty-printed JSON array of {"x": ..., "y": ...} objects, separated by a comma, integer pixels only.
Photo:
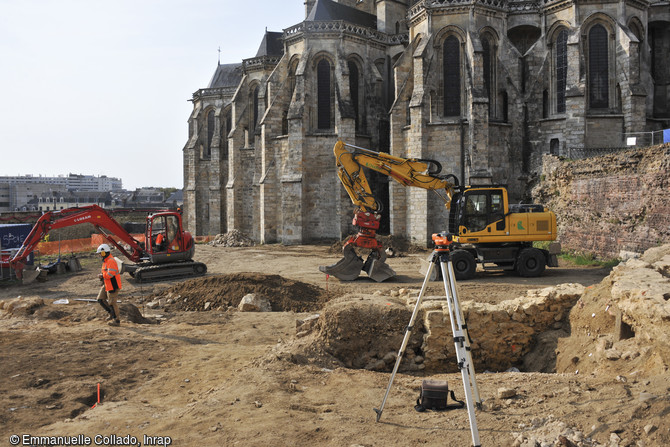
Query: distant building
[
  {"x": 141, "y": 198},
  {"x": 176, "y": 198},
  {"x": 16, "y": 196},
  {"x": 17, "y": 192},
  {"x": 71, "y": 199},
  {"x": 76, "y": 182}
]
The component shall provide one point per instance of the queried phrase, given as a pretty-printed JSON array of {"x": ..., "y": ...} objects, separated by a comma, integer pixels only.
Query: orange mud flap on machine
[{"x": 349, "y": 267}]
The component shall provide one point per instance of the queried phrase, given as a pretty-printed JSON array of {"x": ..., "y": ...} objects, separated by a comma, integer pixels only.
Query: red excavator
[{"x": 166, "y": 253}]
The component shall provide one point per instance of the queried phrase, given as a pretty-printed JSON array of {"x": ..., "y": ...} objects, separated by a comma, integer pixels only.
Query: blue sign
[
  {"x": 13, "y": 235},
  {"x": 666, "y": 136}
]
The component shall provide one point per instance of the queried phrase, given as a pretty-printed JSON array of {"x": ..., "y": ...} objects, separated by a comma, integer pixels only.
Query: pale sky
[{"x": 101, "y": 87}]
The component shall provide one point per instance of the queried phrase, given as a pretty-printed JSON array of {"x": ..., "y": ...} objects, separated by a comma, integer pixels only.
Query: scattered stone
[
  {"x": 628, "y": 255},
  {"x": 207, "y": 305},
  {"x": 506, "y": 393},
  {"x": 389, "y": 357},
  {"x": 565, "y": 442},
  {"x": 614, "y": 439},
  {"x": 258, "y": 404},
  {"x": 644, "y": 397},
  {"x": 20, "y": 306},
  {"x": 612, "y": 354},
  {"x": 649, "y": 428},
  {"x": 233, "y": 238},
  {"x": 254, "y": 302},
  {"x": 306, "y": 325}
]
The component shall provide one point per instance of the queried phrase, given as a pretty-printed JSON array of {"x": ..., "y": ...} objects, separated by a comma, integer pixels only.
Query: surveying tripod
[{"x": 442, "y": 256}]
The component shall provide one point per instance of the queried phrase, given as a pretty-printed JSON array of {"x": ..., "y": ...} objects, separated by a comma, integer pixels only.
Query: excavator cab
[
  {"x": 166, "y": 239},
  {"x": 477, "y": 210}
]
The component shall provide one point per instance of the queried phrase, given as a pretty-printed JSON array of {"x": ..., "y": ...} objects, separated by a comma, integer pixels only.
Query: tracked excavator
[
  {"x": 483, "y": 226},
  {"x": 166, "y": 253}
]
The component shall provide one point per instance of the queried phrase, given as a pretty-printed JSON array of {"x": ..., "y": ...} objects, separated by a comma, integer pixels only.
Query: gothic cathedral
[{"x": 486, "y": 87}]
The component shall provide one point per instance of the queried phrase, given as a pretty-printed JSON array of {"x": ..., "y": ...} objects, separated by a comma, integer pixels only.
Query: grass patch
[
  {"x": 588, "y": 260},
  {"x": 583, "y": 259}
]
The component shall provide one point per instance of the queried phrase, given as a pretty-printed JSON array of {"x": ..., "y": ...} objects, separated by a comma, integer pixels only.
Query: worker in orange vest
[
  {"x": 159, "y": 242},
  {"x": 111, "y": 278}
]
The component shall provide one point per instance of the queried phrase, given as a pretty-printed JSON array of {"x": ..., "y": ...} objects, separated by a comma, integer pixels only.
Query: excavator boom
[
  {"x": 95, "y": 215},
  {"x": 350, "y": 161},
  {"x": 155, "y": 264}
]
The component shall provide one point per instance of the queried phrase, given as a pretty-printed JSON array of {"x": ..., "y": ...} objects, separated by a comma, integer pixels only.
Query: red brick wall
[{"x": 605, "y": 205}]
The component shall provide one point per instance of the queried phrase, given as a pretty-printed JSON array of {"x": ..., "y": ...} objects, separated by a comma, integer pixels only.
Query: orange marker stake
[{"x": 96, "y": 404}]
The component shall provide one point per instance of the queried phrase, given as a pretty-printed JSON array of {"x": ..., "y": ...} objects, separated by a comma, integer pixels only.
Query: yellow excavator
[{"x": 484, "y": 227}]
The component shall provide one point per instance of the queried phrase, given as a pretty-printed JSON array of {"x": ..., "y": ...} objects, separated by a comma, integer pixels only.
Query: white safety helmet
[{"x": 104, "y": 249}]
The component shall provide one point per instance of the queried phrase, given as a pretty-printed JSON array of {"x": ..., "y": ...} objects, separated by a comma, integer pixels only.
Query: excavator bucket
[
  {"x": 28, "y": 276},
  {"x": 347, "y": 268},
  {"x": 377, "y": 269}
]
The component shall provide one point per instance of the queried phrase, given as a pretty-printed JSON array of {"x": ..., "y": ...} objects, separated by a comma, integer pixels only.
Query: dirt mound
[
  {"x": 223, "y": 291},
  {"x": 234, "y": 238}
]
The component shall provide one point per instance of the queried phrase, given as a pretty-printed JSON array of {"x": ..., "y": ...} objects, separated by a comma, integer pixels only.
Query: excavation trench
[
  {"x": 366, "y": 331},
  {"x": 563, "y": 328}
]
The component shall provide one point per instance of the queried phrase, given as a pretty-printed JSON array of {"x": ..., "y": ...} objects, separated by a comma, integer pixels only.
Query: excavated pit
[
  {"x": 366, "y": 331},
  {"x": 564, "y": 328}
]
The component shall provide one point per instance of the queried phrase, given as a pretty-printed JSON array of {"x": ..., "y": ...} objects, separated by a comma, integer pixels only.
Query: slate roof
[
  {"x": 271, "y": 45},
  {"x": 328, "y": 10},
  {"x": 226, "y": 75}
]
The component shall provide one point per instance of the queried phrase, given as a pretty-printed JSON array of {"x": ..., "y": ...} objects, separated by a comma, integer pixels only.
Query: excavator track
[{"x": 160, "y": 272}]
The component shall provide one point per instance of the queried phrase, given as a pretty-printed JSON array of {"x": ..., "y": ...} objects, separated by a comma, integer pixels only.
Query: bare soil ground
[{"x": 222, "y": 377}]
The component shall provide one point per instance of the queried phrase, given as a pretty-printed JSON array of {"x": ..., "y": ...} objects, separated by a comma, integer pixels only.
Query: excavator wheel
[
  {"x": 346, "y": 269},
  {"x": 530, "y": 263},
  {"x": 464, "y": 264}
]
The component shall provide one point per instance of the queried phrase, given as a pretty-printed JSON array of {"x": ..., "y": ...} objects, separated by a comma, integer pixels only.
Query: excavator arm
[
  {"x": 93, "y": 214},
  {"x": 350, "y": 161}
]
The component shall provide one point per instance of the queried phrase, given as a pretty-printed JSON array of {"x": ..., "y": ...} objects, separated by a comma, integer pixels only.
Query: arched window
[
  {"x": 255, "y": 109},
  {"x": 323, "y": 102},
  {"x": 210, "y": 133},
  {"x": 452, "y": 76},
  {"x": 354, "y": 90},
  {"x": 561, "y": 69},
  {"x": 224, "y": 135},
  {"x": 598, "y": 68},
  {"x": 659, "y": 42},
  {"x": 291, "y": 78},
  {"x": 284, "y": 123},
  {"x": 504, "y": 106},
  {"x": 489, "y": 52},
  {"x": 545, "y": 104}
]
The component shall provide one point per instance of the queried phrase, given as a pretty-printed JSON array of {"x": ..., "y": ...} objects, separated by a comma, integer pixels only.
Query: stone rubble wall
[
  {"x": 622, "y": 326},
  {"x": 501, "y": 334},
  {"x": 641, "y": 290},
  {"x": 609, "y": 204}
]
